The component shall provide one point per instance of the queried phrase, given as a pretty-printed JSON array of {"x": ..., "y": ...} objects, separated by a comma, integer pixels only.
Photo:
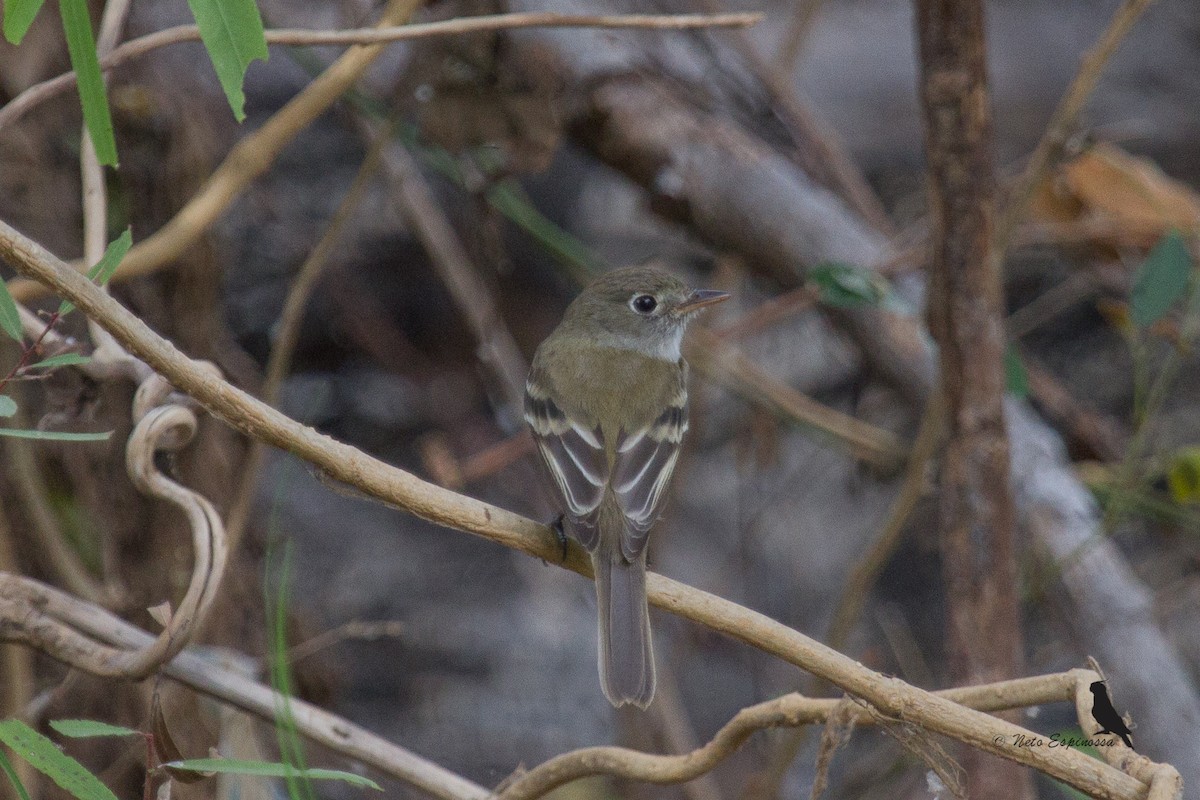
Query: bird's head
[
  {"x": 639, "y": 308},
  {"x": 1097, "y": 687}
]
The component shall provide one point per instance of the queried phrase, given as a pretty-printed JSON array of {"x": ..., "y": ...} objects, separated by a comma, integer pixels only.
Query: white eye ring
[{"x": 643, "y": 304}]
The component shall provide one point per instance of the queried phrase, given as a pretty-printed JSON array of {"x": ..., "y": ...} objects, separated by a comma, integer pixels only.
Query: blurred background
[{"x": 482, "y": 659}]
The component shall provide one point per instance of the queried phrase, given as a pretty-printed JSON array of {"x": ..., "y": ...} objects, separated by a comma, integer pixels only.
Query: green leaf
[
  {"x": 45, "y": 757},
  {"x": 1183, "y": 476},
  {"x": 266, "y": 769},
  {"x": 8, "y": 406},
  {"x": 1016, "y": 379},
  {"x": 61, "y": 360},
  {"x": 102, "y": 271},
  {"x": 1160, "y": 281},
  {"x": 18, "y": 16},
  {"x": 7, "y": 768},
  {"x": 232, "y": 32},
  {"x": 86, "y": 728},
  {"x": 82, "y": 46},
  {"x": 846, "y": 286},
  {"x": 55, "y": 436},
  {"x": 10, "y": 320}
]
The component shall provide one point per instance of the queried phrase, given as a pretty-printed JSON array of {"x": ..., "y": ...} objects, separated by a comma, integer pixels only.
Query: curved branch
[
  {"x": 349, "y": 465},
  {"x": 168, "y": 428},
  {"x": 84, "y": 635},
  {"x": 135, "y": 48},
  {"x": 789, "y": 711}
]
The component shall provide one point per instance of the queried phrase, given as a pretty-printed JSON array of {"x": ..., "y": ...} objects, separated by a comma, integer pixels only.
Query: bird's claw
[{"x": 559, "y": 533}]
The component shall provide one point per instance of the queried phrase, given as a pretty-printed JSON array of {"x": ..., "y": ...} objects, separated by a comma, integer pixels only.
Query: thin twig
[
  {"x": 40, "y": 92},
  {"x": 1050, "y": 147},
  {"x": 804, "y": 14},
  {"x": 354, "y": 630},
  {"x": 722, "y": 363},
  {"x": 95, "y": 204},
  {"x": 496, "y": 347},
  {"x": 16, "y": 664},
  {"x": 284, "y": 346},
  {"x": 792, "y": 710},
  {"x": 820, "y": 148},
  {"x": 341, "y": 462},
  {"x": 61, "y": 561},
  {"x": 857, "y": 588}
]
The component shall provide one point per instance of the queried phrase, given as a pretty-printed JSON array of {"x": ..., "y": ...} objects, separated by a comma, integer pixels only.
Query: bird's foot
[{"x": 559, "y": 533}]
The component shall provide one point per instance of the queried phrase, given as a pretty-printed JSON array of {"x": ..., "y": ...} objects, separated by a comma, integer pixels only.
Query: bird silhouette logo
[{"x": 1108, "y": 718}]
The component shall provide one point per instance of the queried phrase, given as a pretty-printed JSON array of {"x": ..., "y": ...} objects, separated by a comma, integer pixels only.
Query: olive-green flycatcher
[{"x": 607, "y": 403}]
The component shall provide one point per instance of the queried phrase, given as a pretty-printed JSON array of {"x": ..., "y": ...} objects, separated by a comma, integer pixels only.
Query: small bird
[
  {"x": 1104, "y": 713},
  {"x": 606, "y": 401}
]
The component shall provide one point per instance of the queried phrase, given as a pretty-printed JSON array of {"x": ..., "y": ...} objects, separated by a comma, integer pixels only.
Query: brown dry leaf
[{"x": 1131, "y": 192}]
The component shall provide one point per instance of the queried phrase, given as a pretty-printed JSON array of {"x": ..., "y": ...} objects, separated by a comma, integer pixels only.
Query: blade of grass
[
  {"x": 55, "y": 436},
  {"x": 87, "y": 728},
  {"x": 268, "y": 769},
  {"x": 61, "y": 360},
  {"x": 81, "y": 45},
  {"x": 7, "y": 768}
]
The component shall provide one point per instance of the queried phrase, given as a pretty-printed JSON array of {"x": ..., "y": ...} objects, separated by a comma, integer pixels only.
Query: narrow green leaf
[
  {"x": 87, "y": 728},
  {"x": 232, "y": 32},
  {"x": 266, "y": 769},
  {"x": 46, "y": 758},
  {"x": 846, "y": 286},
  {"x": 102, "y": 271},
  {"x": 1183, "y": 476},
  {"x": 81, "y": 44},
  {"x": 18, "y": 16},
  {"x": 107, "y": 265},
  {"x": 7, "y": 768},
  {"x": 1160, "y": 281},
  {"x": 55, "y": 436},
  {"x": 10, "y": 320},
  {"x": 61, "y": 360},
  {"x": 1016, "y": 379},
  {"x": 8, "y": 406}
]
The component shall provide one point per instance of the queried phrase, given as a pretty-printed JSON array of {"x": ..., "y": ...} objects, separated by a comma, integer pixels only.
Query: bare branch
[{"x": 136, "y": 48}]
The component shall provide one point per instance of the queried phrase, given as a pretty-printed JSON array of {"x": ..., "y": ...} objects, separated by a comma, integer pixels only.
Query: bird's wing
[
  {"x": 574, "y": 456},
  {"x": 642, "y": 469}
]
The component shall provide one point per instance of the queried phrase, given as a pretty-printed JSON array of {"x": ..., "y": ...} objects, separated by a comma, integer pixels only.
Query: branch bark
[{"x": 966, "y": 318}]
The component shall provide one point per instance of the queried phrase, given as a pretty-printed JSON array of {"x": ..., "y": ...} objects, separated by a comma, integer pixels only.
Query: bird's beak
[{"x": 699, "y": 298}]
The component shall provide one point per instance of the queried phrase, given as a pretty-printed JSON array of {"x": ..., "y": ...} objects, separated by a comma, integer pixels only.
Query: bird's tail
[{"x": 626, "y": 652}]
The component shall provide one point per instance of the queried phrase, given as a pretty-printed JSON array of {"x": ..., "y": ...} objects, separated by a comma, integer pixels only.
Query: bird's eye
[{"x": 644, "y": 304}]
